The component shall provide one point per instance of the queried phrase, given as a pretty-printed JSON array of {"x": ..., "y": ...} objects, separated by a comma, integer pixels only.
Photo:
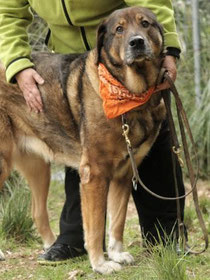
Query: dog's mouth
[{"x": 137, "y": 51}]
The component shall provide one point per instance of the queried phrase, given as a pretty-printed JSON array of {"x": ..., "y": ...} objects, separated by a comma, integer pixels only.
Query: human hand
[
  {"x": 169, "y": 64},
  {"x": 27, "y": 80}
]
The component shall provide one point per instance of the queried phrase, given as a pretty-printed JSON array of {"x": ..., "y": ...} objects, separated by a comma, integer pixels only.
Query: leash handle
[
  {"x": 193, "y": 178},
  {"x": 176, "y": 147}
]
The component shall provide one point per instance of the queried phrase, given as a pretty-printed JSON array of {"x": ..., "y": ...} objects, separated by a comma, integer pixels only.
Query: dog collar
[{"x": 117, "y": 99}]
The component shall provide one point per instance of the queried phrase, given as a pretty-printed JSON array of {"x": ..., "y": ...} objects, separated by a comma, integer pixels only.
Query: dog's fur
[{"x": 74, "y": 131}]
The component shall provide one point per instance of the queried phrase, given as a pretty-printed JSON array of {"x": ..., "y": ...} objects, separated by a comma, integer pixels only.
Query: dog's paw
[
  {"x": 121, "y": 257},
  {"x": 2, "y": 257},
  {"x": 107, "y": 267},
  {"x": 46, "y": 246}
]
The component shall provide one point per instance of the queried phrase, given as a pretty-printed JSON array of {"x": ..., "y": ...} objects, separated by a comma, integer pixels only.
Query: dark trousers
[
  {"x": 156, "y": 172},
  {"x": 158, "y": 217}
]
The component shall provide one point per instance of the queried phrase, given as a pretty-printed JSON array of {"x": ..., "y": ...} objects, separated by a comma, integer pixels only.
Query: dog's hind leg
[
  {"x": 6, "y": 148},
  {"x": 5, "y": 165},
  {"x": 118, "y": 197},
  {"x": 37, "y": 173},
  {"x": 94, "y": 189}
]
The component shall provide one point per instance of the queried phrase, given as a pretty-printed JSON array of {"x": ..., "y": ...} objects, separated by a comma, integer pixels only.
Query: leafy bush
[
  {"x": 199, "y": 116},
  {"x": 200, "y": 121}
]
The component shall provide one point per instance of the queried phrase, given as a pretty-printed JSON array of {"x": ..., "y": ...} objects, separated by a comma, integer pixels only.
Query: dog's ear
[
  {"x": 99, "y": 41},
  {"x": 160, "y": 28}
]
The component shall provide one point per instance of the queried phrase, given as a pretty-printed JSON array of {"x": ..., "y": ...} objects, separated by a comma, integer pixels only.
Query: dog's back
[{"x": 53, "y": 134}]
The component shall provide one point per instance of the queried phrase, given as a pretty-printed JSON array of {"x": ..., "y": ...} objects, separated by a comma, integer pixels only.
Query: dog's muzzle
[
  {"x": 137, "y": 50},
  {"x": 137, "y": 43}
]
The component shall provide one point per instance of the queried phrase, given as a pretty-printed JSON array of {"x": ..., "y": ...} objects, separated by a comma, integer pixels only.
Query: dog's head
[{"x": 130, "y": 36}]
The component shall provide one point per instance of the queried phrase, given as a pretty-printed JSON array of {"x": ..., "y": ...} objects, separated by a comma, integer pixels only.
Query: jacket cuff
[
  {"x": 16, "y": 66},
  {"x": 172, "y": 40},
  {"x": 173, "y": 52}
]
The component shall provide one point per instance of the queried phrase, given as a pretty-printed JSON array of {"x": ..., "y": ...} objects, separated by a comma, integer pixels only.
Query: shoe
[{"x": 59, "y": 254}]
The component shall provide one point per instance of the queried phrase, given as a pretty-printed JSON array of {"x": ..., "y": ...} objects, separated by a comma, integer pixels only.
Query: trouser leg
[
  {"x": 156, "y": 172},
  {"x": 71, "y": 230}
]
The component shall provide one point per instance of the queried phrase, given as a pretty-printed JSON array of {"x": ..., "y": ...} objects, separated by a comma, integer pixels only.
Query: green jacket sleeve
[
  {"x": 14, "y": 47},
  {"x": 163, "y": 9}
]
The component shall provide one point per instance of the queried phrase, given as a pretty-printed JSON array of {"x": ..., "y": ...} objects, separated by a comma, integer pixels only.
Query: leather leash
[{"x": 176, "y": 149}]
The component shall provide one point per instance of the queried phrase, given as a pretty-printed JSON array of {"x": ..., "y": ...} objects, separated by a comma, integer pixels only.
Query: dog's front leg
[
  {"x": 118, "y": 197},
  {"x": 94, "y": 189}
]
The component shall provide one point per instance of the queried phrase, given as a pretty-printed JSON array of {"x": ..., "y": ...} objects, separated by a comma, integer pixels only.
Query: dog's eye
[
  {"x": 119, "y": 29},
  {"x": 145, "y": 23}
]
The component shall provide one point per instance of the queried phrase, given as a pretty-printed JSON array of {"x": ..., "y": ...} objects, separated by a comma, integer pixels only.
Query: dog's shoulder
[
  {"x": 57, "y": 68},
  {"x": 51, "y": 63}
]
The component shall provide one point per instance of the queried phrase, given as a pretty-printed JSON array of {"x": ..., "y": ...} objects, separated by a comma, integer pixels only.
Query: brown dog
[{"x": 73, "y": 129}]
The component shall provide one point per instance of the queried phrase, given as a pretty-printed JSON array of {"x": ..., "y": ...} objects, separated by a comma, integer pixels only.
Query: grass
[
  {"x": 16, "y": 221},
  {"x": 167, "y": 265},
  {"x": 161, "y": 264}
]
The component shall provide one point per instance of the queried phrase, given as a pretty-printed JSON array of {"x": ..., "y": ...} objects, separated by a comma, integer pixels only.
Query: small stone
[{"x": 2, "y": 257}]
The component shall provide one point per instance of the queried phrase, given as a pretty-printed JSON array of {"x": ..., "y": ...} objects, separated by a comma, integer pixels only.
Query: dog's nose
[{"x": 136, "y": 42}]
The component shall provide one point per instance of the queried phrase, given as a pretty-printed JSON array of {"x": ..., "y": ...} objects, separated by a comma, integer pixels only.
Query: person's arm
[
  {"x": 14, "y": 46},
  {"x": 15, "y": 50}
]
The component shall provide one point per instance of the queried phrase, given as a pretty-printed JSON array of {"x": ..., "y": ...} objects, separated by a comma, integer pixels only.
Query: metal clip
[
  {"x": 134, "y": 182},
  {"x": 125, "y": 128},
  {"x": 177, "y": 151}
]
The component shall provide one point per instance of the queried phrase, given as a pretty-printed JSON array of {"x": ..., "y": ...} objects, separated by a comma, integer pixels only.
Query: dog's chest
[
  {"x": 143, "y": 130},
  {"x": 141, "y": 125}
]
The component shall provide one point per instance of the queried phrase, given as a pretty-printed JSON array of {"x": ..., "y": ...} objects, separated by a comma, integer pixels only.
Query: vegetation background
[{"x": 18, "y": 237}]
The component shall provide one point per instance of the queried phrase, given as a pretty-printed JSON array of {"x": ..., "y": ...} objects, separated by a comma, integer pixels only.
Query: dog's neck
[
  {"x": 141, "y": 77},
  {"x": 138, "y": 77}
]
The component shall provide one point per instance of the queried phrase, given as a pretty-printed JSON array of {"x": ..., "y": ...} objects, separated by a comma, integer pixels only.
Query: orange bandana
[{"x": 117, "y": 100}]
